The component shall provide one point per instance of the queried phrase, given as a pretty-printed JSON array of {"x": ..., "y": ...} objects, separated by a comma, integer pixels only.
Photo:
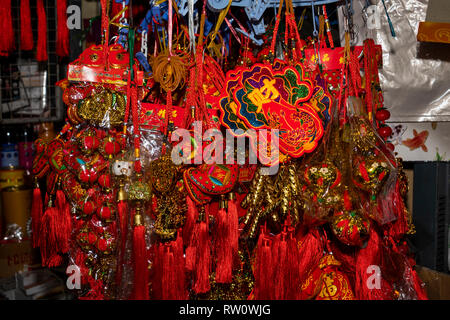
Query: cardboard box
[
  {"x": 437, "y": 284},
  {"x": 14, "y": 255}
]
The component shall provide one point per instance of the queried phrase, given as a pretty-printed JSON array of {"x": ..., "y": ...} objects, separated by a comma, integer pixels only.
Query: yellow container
[
  {"x": 12, "y": 178},
  {"x": 16, "y": 206}
]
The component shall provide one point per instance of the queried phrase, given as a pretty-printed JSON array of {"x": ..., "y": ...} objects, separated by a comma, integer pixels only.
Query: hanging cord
[
  {"x": 301, "y": 20},
  {"x": 220, "y": 19},
  {"x": 293, "y": 31},
  {"x": 327, "y": 24},
  {"x": 202, "y": 25},
  {"x": 391, "y": 26},
  {"x": 105, "y": 27},
  {"x": 191, "y": 25},
  {"x": 275, "y": 31},
  {"x": 315, "y": 35},
  {"x": 322, "y": 41}
]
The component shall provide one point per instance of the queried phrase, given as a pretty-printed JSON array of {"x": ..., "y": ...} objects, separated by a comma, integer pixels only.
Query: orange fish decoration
[{"x": 418, "y": 141}]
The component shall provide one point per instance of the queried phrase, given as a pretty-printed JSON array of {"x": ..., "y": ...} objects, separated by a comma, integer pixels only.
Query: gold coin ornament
[
  {"x": 370, "y": 174},
  {"x": 170, "y": 201},
  {"x": 350, "y": 227},
  {"x": 106, "y": 108}
]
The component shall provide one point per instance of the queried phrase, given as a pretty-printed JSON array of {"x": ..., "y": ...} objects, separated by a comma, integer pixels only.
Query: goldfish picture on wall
[{"x": 418, "y": 141}]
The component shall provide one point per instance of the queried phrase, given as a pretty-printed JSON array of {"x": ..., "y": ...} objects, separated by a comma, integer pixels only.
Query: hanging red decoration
[
  {"x": 7, "y": 42},
  {"x": 62, "y": 35},
  {"x": 41, "y": 46},
  {"x": 26, "y": 33}
]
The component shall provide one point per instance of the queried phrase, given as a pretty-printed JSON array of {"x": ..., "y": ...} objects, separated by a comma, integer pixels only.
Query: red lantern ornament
[
  {"x": 87, "y": 176},
  {"x": 86, "y": 238},
  {"x": 390, "y": 146},
  {"x": 106, "y": 213},
  {"x": 110, "y": 146},
  {"x": 90, "y": 143},
  {"x": 72, "y": 115},
  {"x": 382, "y": 115},
  {"x": 105, "y": 181},
  {"x": 385, "y": 132},
  {"x": 350, "y": 227},
  {"x": 88, "y": 208},
  {"x": 106, "y": 244}
]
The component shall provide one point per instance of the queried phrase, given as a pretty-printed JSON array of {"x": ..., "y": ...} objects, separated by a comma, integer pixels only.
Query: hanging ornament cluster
[
  {"x": 29, "y": 39},
  {"x": 323, "y": 202}
]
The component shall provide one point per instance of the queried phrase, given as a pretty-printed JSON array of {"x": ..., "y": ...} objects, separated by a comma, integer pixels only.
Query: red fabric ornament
[
  {"x": 62, "y": 36},
  {"x": 327, "y": 282},
  {"x": 7, "y": 42},
  {"x": 41, "y": 52},
  {"x": 310, "y": 250},
  {"x": 26, "y": 33},
  {"x": 95, "y": 293},
  {"x": 365, "y": 289}
]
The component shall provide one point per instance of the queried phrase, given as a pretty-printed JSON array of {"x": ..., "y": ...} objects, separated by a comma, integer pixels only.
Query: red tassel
[
  {"x": 171, "y": 271},
  {"x": 122, "y": 209},
  {"x": 168, "y": 274},
  {"x": 36, "y": 215},
  {"x": 62, "y": 37},
  {"x": 7, "y": 42},
  {"x": 191, "y": 217},
  {"x": 55, "y": 260},
  {"x": 47, "y": 237},
  {"x": 63, "y": 223},
  {"x": 292, "y": 274},
  {"x": 310, "y": 252},
  {"x": 180, "y": 270},
  {"x": 223, "y": 248},
  {"x": 365, "y": 289},
  {"x": 157, "y": 252},
  {"x": 41, "y": 47},
  {"x": 264, "y": 269},
  {"x": 279, "y": 254},
  {"x": 203, "y": 260},
  {"x": 26, "y": 34},
  {"x": 400, "y": 225},
  {"x": 233, "y": 225},
  {"x": 191, "y": 250},
  {"x": 227, "y": 242},
  {"x": 140, "y": 264}
]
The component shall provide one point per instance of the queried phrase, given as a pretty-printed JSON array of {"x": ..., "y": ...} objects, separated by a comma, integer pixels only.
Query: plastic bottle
[
  {"x": 9, "y": 153},
  {"x": 26, "y": 148}
]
